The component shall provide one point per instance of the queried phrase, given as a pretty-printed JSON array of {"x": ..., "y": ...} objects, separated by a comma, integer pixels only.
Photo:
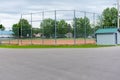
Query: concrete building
[{"x": 108, "y": 36}]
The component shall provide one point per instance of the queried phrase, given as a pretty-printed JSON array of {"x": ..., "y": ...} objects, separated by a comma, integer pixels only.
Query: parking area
[{"x": 60, "y": 64}]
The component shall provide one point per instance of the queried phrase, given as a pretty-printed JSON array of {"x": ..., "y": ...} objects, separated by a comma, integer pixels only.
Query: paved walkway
[{"x": 60, "y": 64}]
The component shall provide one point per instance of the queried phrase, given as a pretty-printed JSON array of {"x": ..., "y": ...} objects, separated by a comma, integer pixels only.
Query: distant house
[
  {"x": 108, "y": 36},
  {"x": 37, "y": 35},
  {"x": 6, "y": 34},
  {"x": 69, "y": 35}
]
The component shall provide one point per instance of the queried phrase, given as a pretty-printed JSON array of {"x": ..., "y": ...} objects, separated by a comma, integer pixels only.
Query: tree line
[{"x": 47, "y": 28}]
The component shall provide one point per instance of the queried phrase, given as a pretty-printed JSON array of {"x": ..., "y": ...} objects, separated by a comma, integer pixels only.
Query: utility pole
[{"x": 118, "y": 12}]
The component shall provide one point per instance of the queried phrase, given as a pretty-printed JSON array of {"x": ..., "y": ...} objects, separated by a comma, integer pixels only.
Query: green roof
[{"x": 107, "y": 30}]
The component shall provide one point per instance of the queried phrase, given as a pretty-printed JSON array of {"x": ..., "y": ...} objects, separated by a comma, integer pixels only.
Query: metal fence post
[
  {"x": 31, "y": 29},
  {"x": 55, "y": 29},
  {"x": 21, "y": 29},
  {"x": 74, "y": 27},
  {"x": 9, "y": 37},
  {"x": 94, "y": 22},
  {"x": 18, "y": 35},
  {"x": 43, "y": 28},
  {"x": 85, "y": 27},
  {"x": 9, "y": 41}
]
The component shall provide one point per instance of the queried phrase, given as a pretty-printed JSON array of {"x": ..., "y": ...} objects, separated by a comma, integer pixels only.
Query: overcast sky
[{"x": 10, "y": 10}]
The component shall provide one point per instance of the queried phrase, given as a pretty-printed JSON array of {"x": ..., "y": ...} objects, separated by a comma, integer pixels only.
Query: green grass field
[{"x": 53, "y": 46}]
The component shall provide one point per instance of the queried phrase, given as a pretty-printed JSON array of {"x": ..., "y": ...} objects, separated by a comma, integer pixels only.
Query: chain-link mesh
[{"x": 59, "y": 27}]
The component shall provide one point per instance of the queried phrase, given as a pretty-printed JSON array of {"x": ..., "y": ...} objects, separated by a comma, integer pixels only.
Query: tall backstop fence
[{"x": 58, "y": 27}]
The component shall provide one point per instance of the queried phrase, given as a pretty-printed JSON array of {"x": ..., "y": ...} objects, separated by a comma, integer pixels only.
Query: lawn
[{"x": 53, "y": 46}]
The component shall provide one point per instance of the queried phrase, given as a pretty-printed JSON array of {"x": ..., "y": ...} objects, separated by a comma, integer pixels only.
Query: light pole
[{"x": 118, "y": 12}]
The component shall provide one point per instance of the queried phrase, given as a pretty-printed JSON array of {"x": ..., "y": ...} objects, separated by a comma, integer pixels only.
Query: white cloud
[{"x": 8, "y": 19}]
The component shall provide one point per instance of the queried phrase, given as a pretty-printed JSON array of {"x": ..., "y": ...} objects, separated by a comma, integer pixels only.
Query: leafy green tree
[
  {"x": 63, "y": 28},
  {"x": 70, "y": 29},
  {"x": 2, "y": 27},
  {"x": 24, "y": 26},
  {"x": 36, "y": 30},
  {"x": 16, "y": 30},
  {"x": 48, "y": 27},
  {"x": 82, "y": 27},
  {"x": 108, "y": 18}
]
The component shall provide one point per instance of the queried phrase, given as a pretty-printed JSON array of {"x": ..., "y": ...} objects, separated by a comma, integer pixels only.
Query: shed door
[{"x": 116, "y": 38}]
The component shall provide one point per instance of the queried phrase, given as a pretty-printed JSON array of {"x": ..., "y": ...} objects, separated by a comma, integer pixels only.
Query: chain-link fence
[{"x": 58, "y": 27}]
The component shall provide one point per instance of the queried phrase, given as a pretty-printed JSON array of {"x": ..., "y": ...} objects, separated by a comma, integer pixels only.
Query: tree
[
  {"x": 16, "y": 30},
  {"x": 36, "y": 30},
  {"x": 48, "y": 27},
  {"x": 24, "y": 26},
  {"x": 108, "y": 18},
  {"x": 2, "y": 27},
  {"x": 63, "y": 28},
  {"x": 82, "y": 27},
  {"x": 70, "y": 29}
]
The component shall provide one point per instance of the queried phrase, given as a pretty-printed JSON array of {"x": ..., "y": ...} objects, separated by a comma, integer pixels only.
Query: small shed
[
  {"x": 108, "y": 36},
  {"x": 6, "y": 34}
]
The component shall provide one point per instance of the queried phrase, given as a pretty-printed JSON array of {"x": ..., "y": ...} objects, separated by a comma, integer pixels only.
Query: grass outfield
[{"x": 53, "y": 46}]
